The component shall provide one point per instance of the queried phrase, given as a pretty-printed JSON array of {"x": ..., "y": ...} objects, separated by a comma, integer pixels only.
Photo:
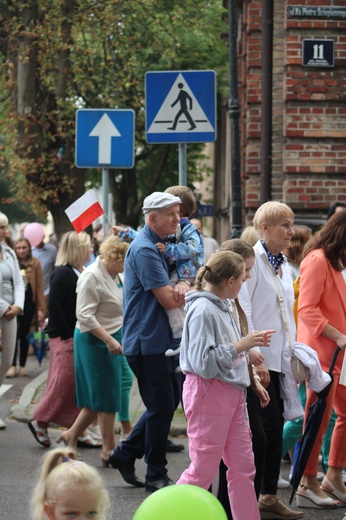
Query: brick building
[{"x": 300, "y": 113}]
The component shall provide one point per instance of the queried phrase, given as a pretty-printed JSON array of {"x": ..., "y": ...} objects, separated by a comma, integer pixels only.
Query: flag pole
[{"x": 106, "y": 216}]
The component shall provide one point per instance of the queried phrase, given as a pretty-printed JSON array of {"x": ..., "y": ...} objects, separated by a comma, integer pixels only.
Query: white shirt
[
  {"x": 259, "y": 300},
  {"x": 210, "y": 245}
]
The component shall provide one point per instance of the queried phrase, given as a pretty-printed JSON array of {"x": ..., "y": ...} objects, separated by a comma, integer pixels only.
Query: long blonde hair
[
  {"x": 62, "y": 470},
  {"x": 220, "y": 266}
]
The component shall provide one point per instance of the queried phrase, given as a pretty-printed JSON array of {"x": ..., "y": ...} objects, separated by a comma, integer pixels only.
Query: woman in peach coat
[{"x": 322, "y": 325}]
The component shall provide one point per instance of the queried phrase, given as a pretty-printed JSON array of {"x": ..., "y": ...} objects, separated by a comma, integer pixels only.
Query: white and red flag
[{"x": 84, "y": 211}]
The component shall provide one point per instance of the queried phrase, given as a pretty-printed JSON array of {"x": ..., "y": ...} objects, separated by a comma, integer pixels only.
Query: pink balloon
[{"x": 34, "y": 232}]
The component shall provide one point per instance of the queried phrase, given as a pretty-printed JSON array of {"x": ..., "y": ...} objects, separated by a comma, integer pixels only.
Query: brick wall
[{"x": 308, "y": 110}]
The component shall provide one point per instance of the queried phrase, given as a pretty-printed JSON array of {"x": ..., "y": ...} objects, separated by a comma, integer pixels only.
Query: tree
[{"x": 60, "y": 55}]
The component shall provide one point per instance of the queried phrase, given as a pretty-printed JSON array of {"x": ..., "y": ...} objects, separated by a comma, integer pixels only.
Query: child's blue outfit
[
  {"x": 187, "y": 251},
  {"x": 184, "y": 252}
]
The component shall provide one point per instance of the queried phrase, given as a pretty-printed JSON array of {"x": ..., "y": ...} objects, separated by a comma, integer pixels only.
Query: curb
[{"x": 22, "y": 410}]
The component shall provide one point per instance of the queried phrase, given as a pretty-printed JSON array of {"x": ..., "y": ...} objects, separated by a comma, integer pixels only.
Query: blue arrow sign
[
  {"x": 105, "y": 138},
  {"x": 180, "y": 106}
]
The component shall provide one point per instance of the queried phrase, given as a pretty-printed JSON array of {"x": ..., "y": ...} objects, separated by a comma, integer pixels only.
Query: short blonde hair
[
  {"x": 73, "y": 248},
  {"x": 62, "y": 470},
  {"x": 113, "y": 248},
  {"x": 271, "y": 213},
  {"x": 3, "y": 219}
]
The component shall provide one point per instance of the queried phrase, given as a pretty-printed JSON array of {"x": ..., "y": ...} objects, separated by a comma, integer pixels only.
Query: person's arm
[
  {"x": 259, "y": 338},
  {"x": 161, "y": 247},
  {"x": 88, "y": 299},
  {"x": 111, "y": 343},
  {"x": 184, "y": 250},
  {"x": 335, "y": 335},
  {"x": 150, "y": 268},
  {"x": 260, "y": 391},
  {"x": 18, "y": 290},
  {"x": 310, "y": 295},
  {"x": 40, "y": 299},
  {"x": 171, "y": 297},
  {"x": 126, "y": 234}
]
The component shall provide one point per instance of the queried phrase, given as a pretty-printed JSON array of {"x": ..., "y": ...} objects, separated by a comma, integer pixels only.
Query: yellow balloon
[{"x": 181, "y": 502}]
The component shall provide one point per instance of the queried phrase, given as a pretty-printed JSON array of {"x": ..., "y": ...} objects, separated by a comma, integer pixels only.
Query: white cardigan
[{"x": 10, "y": 258}]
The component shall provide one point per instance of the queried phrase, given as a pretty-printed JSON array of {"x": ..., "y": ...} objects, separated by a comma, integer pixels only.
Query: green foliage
[{"x": 94, "y": 54}]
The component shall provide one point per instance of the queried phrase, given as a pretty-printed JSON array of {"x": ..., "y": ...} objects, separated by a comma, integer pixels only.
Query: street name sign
[
  {"x": 105, "y": 138},
  {"x": 180, "y": 106}
]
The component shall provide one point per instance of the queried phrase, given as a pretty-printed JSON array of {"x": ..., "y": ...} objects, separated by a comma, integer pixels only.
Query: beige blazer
[{"x": 99, "y": 299}]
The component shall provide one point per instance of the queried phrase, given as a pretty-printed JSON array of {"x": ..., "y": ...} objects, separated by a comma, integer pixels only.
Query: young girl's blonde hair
[
  {"x": 62, "y": 470},
  {"x": 220, "y": 266}
]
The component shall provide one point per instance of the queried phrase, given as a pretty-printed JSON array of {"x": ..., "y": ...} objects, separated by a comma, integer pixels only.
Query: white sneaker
[
  {"x": 282, "y": 483},
  {"x": 2, "y": 424}
]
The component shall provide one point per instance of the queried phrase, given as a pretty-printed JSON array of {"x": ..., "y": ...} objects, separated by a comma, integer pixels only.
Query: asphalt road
[{"x": 20, "y": 458}]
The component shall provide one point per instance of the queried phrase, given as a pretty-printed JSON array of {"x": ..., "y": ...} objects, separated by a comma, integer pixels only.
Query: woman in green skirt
[{"x": 97, "y": 344}]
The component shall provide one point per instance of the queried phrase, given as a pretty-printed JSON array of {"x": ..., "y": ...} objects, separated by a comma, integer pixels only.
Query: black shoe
[
  {"x": 155, "y": 485},
  {"x": 174, "y": 448},
  {"x": 126, "y": 469}
]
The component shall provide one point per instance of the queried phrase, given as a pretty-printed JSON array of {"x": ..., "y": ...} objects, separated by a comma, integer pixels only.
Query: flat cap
[{"x": 159, "y": 200}]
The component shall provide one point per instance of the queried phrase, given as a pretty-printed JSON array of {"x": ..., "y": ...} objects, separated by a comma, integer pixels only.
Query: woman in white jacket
[
  {"x": 11, "y": 300},
  {"x": 259, "y": 298}
]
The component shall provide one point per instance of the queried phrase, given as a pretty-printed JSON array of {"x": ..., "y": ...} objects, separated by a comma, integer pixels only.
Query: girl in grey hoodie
[{"x": 213, "y": 357}]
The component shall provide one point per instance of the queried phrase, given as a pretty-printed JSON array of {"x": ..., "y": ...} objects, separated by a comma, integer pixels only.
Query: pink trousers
[{"x": 218, "y": 427}]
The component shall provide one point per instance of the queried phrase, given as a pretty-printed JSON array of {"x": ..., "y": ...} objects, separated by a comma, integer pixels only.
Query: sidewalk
[{"x": 34, "y": 390}]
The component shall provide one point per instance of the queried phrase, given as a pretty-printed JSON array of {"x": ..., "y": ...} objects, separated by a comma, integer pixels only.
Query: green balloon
[{"x": 181, "y": 502}]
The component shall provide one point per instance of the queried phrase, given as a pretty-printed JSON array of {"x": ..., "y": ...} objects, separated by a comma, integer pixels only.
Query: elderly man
[{"x": 146, "y": 337}]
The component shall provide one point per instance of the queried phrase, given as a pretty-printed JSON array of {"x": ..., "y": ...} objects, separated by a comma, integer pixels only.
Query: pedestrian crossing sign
[{"x": 180, "y": 106}]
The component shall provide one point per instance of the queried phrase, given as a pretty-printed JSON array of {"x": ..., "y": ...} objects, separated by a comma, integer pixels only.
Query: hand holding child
[{"x": 161, "y": 247}]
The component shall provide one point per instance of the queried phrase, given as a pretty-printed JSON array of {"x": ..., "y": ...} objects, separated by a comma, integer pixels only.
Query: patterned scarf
[{"x": 275, "y": 261}]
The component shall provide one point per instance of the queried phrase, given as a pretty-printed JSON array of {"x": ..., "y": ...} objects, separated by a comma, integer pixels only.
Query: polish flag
[{"x": 84, "y": 211}]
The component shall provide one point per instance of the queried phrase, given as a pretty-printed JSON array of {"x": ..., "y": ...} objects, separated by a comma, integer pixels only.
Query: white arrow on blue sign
[
  {"x": 180, "y": 106},
  {"x": 105, "y": 138}
]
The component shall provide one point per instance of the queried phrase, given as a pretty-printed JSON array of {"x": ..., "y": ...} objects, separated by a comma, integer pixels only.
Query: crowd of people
[{"x": 145, "y": 294}]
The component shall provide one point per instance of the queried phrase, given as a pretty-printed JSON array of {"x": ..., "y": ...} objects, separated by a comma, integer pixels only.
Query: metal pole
[
  {"x": 182, "y": 165},
  {"x": 266, "y": 96},
  {"x": 105, "y": 191},
  {"x": 234, "y": 113}
]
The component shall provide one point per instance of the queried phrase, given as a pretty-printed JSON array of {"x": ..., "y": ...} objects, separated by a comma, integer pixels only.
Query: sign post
[
  {"x": 180, "y": 108},
  {"x": 105, "y": 139}
]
